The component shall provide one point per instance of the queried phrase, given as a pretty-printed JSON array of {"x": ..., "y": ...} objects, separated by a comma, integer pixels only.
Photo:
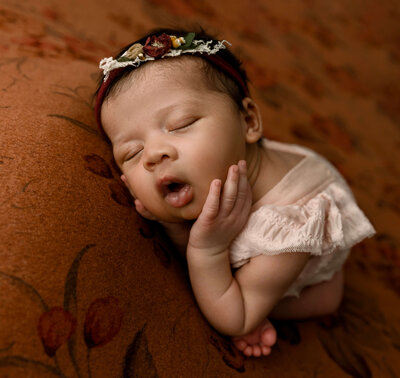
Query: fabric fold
[{"x": 323, "y": 220}]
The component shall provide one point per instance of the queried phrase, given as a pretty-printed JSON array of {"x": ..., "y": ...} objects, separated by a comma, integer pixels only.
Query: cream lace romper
[{"x": 311, "y": 209}]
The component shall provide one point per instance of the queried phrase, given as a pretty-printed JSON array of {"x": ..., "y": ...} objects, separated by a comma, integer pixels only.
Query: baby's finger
[
  {"x": 243, "y": 186},
  {"x": 211, "y": 206},
  {"x": 230, "y": 191}
]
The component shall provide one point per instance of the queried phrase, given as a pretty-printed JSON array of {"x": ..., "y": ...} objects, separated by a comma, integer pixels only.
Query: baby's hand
[{"x": 223, "y": 215}]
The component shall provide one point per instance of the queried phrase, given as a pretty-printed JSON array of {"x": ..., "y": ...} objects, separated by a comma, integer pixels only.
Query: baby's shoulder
[
  {"x": 275, "y": 164},
  {"x": 298, "y": 173},
  {"x": 284, "y": 161}
]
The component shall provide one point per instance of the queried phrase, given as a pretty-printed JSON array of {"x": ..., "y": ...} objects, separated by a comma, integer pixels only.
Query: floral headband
[{"x": 161, "y": 47}]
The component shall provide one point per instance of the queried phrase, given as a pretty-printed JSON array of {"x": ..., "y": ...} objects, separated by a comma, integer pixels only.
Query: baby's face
[{"x": 172, "y": 136}]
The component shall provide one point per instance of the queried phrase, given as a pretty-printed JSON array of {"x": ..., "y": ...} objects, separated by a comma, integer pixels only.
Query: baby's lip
[
  {"x": 165, "y": 183},
  {"x": 176, "y": 192}
]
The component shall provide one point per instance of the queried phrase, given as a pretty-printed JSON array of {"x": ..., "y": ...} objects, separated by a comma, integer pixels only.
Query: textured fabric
[
  {"x": 310, "y": 210},
  {"x": 324, "y": 74}
]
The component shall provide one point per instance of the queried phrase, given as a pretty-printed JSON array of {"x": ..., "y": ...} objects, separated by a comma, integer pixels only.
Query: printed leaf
[
  {"x": 138, "y": 359},
  {"x": 188, "y": 41}
]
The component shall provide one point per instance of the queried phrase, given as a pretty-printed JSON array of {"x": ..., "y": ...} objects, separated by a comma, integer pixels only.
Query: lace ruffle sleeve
[{"x": 329, "y": 221}]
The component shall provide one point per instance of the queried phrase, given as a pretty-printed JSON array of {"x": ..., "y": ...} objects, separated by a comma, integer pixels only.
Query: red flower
[
  {"x": 103, "y": 321},
  {"x": 157, "y": 46},
  {"x": 55, "y": 327}
]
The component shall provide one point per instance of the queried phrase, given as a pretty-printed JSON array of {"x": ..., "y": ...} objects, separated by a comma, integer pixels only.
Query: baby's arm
[{"x": 234, "y": 305}]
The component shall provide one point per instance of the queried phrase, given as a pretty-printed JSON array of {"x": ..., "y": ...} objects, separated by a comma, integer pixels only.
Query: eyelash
[
  {"x": 185, "y": 125},
  {"x": 130, "y": 157}
]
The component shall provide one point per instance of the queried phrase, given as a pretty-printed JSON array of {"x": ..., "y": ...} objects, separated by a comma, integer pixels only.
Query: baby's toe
[
  {"x": 265, "y": 350},
  {"x": 248, "y": 351},
  {"x": 240, "y": 344},
  {"x": 256, "y": 351},
  {"x": 268, "y": 336}
]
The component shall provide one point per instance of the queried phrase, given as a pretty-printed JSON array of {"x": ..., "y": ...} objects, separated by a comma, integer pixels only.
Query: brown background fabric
[{"x": 87, "y": 289}]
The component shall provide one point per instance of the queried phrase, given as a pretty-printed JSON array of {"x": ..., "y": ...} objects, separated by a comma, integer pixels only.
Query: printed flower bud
[
  {"x": 55, "y": 327},
  {"x": 134, "y": 51},
  {"x": 176, "y": 42},
  {"x": 157, "y": 46},
  {"x": 103, "y": 321}
]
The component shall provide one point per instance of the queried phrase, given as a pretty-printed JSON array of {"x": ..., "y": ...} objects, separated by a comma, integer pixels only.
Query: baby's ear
[
  {"x": 252, "y": 118},
  {"x": 125, "y": 181}
]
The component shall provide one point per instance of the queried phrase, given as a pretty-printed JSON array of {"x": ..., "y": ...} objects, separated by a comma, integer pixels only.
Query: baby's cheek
[{"x": 134, "y": 196}]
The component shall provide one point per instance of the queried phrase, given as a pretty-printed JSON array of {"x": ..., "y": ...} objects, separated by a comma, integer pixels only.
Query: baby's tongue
[{"x": 181, "y": 196}]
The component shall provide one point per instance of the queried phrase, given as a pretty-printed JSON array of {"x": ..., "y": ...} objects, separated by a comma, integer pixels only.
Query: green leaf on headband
[
  {"x": 188, "y": 41},
  {"x": 123, "y": 59}
]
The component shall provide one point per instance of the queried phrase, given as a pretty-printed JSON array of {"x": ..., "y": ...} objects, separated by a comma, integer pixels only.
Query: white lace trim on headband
[{"x": 198, "y": 46}]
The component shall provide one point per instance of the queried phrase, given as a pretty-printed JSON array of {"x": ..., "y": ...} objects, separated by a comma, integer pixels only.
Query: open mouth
[
  {"x": 173, "y": 187},
  {"x": 176, "y": 193}
]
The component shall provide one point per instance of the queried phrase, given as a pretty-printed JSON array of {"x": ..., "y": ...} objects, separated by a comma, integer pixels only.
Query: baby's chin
[
  {"x": 188, "y": 214},
  {"x": 177, "y": 219}
]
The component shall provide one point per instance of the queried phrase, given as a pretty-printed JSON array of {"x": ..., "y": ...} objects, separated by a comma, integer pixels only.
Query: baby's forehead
[
  {"x": 182, "y": 63},
  {"x": 182, "y": 80},
  {"x": 183, "y": 69}
]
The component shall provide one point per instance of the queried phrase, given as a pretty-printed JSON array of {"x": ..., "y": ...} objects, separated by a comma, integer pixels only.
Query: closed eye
[
  {"x": 184, "y": 125},
  {"x": 131, "y": 156}
]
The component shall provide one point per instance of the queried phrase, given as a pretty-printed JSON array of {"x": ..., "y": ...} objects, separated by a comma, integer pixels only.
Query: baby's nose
[{"x": 157, "y": 153}]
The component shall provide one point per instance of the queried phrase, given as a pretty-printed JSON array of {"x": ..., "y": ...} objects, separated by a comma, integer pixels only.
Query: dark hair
[{"x": 218, "y": 78}]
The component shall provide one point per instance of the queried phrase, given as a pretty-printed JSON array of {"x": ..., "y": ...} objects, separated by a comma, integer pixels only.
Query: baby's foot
[{"x": 259, "y": 342}]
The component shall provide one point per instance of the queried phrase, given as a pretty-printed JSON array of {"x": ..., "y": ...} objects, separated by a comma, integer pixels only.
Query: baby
[{"x": 265, "y": 226}]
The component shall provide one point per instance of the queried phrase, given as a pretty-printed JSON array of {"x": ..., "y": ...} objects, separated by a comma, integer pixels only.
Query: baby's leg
[{"x": 317, "y": 300}]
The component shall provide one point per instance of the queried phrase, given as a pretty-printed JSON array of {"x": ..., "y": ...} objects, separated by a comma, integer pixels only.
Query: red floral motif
[
  {"x": 157, "y": 46},
  {"x": 55, "y": 327},
  {"x": 103, "y": 321}
]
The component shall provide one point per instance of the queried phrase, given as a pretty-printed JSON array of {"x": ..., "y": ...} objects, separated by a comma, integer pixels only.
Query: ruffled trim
[
  {"x": 329, "y": 221},
  {"x": 197, "y": 46}
]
